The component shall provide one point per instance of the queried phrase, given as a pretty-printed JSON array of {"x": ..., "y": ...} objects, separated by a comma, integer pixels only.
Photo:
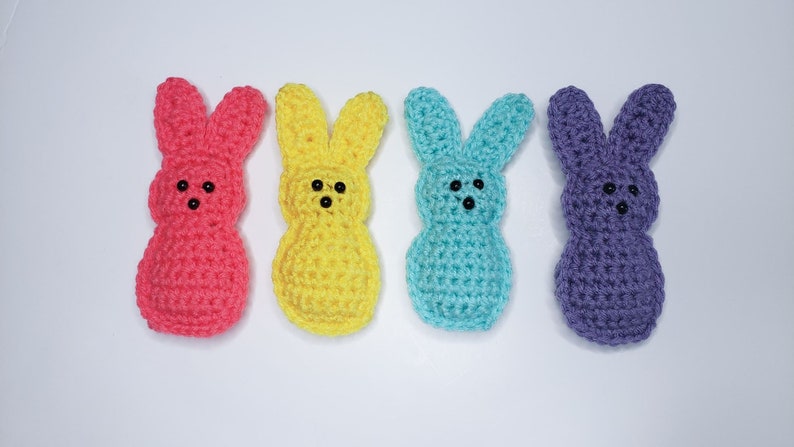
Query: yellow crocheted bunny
[{"x": 325, "y": 273}]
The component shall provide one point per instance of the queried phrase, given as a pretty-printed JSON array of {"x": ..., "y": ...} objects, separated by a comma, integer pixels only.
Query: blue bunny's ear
[
  {"x": 642, "y": 124},
  {"x": 432, "y": 125},
  {"x": 499, "y": 131},
  {"x": 575, "y": 129}
]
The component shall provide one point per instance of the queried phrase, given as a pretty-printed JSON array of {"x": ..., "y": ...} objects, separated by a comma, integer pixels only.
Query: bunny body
[
  {"x": 474, "y": 287},
  {"x": 177, "y": 296},
  {"x": 458, "y": 267},
  {"x": 193, "y": 277},
  {"x": 325, "y": 273},
  {"x": 626, "y": 272},
  {"x": 609, "y": 281}
]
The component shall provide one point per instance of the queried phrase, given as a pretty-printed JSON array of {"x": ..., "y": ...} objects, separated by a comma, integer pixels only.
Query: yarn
[
  {"x": 325, "y": 272},
  {"x": 193, "y": 277},
  {"x": 458, "y": 267},
  {"x": 609, "y": 281}
]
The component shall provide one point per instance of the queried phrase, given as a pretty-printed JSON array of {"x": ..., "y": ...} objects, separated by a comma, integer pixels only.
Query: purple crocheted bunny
[{"x": 609, "y": 280}]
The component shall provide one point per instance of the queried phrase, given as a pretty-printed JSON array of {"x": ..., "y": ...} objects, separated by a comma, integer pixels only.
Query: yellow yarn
[{"x": 325, "y": 273}]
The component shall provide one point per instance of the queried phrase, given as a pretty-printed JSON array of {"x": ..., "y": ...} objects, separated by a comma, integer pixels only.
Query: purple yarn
[{"x": 609, "y": 280}]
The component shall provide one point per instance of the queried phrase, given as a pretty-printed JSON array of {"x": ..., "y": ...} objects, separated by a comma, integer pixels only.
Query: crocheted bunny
[
  {"x": 325, "y": 273},
  {"x": 458, "y": 268},
  {"x": 609, "y": 280},
  {"x": 193, "y": 278}
]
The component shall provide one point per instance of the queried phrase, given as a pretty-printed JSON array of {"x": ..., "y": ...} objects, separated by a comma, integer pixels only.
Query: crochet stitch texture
[
  {"x": 193, "y": 278},
  {"x": 325, "y": 273},
  {"x": 458, "y": 267},
  {"x": 609, "y": 282}
]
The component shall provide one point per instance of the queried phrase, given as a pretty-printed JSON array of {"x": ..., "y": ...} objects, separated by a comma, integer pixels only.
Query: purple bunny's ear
[
  {"x": 575, "y": 129},
  {"x": 642, "y": 123}
]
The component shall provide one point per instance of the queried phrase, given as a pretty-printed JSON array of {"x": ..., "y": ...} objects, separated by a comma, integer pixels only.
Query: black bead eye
[
  {"x": 610, "y": 187},
  {"x": 455, "y": 185},
  {"x": 339, "y": 187},
  {"x": 317, "y": 185},
  {"x": 325, "y": 202},
  {"x": 181, "y": 185},
  {"x": 208, "y": 187},
  {"x": 634, "y": 190},
  {"x": 478, "y": 183}
]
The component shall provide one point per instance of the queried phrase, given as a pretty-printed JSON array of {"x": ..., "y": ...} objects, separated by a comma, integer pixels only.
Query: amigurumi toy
[
  {"x": 458, "y": 267},
  {"x": 193, "y": 278},
  {"x": 609, "y": 281},
  {"x": 325, "y": 273}
]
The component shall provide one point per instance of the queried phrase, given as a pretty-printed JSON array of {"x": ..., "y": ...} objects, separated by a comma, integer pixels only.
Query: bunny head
[
  {"x": 462, "y": 183},
  {"x": 201, "y": 179},
  {"x": 325, "y": 178},
  {"x": 609, "y": 184}
]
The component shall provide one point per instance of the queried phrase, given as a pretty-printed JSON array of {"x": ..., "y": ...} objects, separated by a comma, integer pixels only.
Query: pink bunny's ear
[
  {"x": 236, "y": 123},
  {"x": 180, "y": 117}
]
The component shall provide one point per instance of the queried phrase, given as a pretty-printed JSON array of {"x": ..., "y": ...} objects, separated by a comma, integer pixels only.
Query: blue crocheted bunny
[{"x": 458, "y": 268}]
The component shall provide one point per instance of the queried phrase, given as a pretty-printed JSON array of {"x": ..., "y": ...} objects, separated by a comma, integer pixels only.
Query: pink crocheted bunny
[{"x": 193, "y": 278}]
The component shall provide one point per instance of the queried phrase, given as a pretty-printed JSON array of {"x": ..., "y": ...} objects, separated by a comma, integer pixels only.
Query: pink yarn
[{"x": 193, "y": 278}]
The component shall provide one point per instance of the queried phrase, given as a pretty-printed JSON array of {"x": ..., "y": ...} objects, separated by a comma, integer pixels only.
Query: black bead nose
[
  {"x": 622, "y": 208},
  {"x": 325, "y": 202},
  {"x": 468, "y": 203},
  {"x": 193, "y": 204}
]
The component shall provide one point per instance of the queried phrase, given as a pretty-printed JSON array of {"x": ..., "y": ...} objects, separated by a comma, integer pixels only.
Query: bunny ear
[
  {"x": 642, "y": 123},
  {"x": 432, "y": 125},
  {"x": 499, "y": 131},
  {"x": 236, "y": 123},
  {"x": 575, "y": 129},
  {"x": 180, "y": 117},
  {"x": 300, "y": 124},
  {"x": 358, "y": 129}
]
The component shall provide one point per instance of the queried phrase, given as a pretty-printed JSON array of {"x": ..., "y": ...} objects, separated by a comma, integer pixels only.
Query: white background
[{"x": 79, "y": 367}]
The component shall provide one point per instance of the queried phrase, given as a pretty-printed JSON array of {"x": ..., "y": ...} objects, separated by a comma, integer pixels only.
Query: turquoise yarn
[{"x": 458, "y": 268}]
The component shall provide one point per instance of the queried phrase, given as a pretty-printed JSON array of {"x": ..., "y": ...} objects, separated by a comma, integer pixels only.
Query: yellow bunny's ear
[
  {"x": 358, "y": 129},
  {"x": 300, "y": 124}
]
